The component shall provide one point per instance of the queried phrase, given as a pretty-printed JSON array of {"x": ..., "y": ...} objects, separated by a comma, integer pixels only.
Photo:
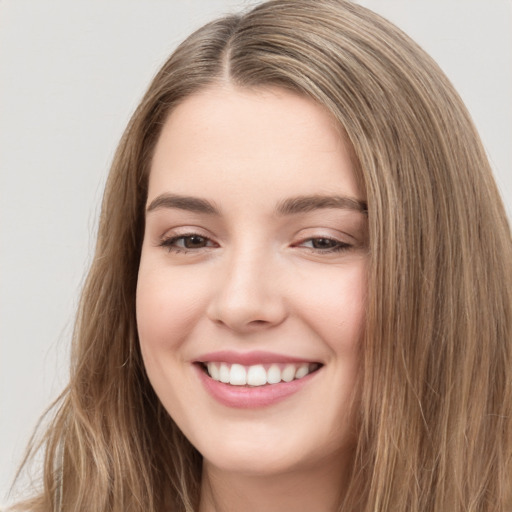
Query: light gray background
[{"x": 71, "y": 72}]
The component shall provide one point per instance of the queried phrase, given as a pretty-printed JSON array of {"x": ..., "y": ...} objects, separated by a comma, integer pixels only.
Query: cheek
[
  {"x": 335, "y": 305},
  {"x": 168, "y": 306}
]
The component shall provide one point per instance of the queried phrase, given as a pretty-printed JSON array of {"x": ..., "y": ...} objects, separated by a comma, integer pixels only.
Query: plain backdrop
[{"x": 71, "y": 73}]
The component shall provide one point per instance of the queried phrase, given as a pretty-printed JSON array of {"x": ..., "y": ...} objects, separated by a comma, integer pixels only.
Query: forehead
[{"x": 228, "y": 139}]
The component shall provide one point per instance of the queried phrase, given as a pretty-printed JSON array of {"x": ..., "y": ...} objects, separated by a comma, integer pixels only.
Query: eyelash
[{"x": 170, "y": 244}]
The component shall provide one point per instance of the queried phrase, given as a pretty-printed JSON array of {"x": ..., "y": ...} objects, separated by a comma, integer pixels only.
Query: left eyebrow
[
  {"x": 188, "y": 203},
  {"x": 304, "y": 204}
]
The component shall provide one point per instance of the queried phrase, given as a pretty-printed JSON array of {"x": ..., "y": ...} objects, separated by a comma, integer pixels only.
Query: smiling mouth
[{"x": 258, "y": 374}]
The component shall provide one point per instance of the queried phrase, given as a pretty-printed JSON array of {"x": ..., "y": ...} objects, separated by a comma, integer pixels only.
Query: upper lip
[{"x": 249, "y": 358}]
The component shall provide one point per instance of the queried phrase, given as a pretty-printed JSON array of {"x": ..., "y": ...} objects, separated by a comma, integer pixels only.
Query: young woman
[{"x": 301, "y": 294}]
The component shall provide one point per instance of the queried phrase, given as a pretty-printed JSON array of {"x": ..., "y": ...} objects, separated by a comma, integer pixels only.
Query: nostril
[{"x": 240, "y": 312}]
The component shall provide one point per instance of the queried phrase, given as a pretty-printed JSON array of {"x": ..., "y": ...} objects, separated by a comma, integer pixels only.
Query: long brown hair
[{"x": 435, "y": 419}]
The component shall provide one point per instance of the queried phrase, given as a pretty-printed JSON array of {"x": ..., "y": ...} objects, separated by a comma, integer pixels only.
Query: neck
[{"x": 320, "y": 488}]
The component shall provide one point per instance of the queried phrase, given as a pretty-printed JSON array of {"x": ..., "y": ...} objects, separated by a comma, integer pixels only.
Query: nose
[{"x": 249, "y": 295}]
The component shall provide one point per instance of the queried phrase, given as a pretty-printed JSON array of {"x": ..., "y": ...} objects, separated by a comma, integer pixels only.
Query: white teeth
[
  {"x": 213, "y": 370},
  {"x": 238, "y": 375},
  {"x": 223, "y": 373},
  {"x": 302, "y": 371},
  {"x": 288, "y": 373},
  {"x": 274, "y": 374},
  {"x": 258, "y": 375}
]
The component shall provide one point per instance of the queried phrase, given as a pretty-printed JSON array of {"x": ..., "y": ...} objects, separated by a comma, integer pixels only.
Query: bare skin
[
  {"x": 255, "y": 255},
  {"x": 231, "y": 492}
]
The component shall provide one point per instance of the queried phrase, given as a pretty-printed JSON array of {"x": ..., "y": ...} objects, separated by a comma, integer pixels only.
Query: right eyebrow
[
  {"x": 304, "y": 204},
  {"x": 191, "y": 204}
]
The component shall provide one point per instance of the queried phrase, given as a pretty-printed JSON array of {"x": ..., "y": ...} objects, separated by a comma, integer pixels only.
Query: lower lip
[{"x": 246, "y": 397}]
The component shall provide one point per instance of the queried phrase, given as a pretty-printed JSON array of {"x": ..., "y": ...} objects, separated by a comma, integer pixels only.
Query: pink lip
[
  {"x": 249, "y": 358},
  {"x": 245, "y": 397}
]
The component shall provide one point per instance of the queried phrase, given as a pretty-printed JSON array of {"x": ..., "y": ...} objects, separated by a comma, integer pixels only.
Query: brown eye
[
  {"x": 185, "y": 243},
  {"x": 194, "y": 242},
  {"x": 324, "y": 243}
]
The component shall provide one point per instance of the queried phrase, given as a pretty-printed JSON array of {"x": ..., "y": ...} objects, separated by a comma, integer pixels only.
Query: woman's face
[{"x": 252, "y": 283}]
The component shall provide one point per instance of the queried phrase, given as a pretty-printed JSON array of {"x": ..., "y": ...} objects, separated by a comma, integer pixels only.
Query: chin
[
  {"x": 263, "y": 454},
  {"x": 255, "y": 464}
]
